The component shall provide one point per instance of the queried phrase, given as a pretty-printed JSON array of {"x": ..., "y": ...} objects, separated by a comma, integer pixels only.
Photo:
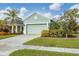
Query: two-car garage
[{"x": 35, "y": 28}]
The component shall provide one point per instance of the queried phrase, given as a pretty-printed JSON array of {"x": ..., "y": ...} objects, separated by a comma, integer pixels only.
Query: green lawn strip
[
  {"x": 6, "y": 36},
  {"x": 30, "y": 52},
  {"x": 55, "y": 42}
]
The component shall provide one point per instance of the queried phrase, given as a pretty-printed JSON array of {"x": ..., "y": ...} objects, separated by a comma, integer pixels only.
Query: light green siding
[
  {"x": 37, "y": 18},
  {"x": 35, "y": 24}
]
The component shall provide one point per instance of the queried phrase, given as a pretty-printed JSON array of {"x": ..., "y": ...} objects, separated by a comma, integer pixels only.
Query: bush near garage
[
  {"x": 52, "y": 33},
  {"x": 45, "y": 33},
  {"x": 56, "y": 33}
]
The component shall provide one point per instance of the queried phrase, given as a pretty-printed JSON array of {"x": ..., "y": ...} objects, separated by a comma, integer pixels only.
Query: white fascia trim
[{"x": 38, "y": 23}]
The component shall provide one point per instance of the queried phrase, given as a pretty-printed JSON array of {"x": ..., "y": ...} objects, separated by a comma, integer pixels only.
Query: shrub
[
  {"x": 56, "y": 33},
  {"x": 52, "y": 33},
  {"x": 45, "y": 33},
  {"x": 71, "y": 36},
  {"x": 3, "y": 33}
]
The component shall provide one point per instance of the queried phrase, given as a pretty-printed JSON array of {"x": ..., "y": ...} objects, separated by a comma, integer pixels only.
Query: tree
[
  {"x": 12, "y": 17},
  {"x": 66, "y": 25},
  {"x": 69, "y": 23},
  {"x": 1, "y": 24},
  {"x": 54, "y": 28}
]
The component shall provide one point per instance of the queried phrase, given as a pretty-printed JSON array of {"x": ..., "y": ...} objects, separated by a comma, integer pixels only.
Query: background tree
[
  {"x": 12, "y": 17},
  {"x": 66, "y": 25},
  {"x": 54, "y": 28},
  {"x": 69, "y": 23},
  {"x": 1, "y": 24}
]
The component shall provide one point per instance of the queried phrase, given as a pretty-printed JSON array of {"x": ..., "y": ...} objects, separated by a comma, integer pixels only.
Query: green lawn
[
  {"x": 30, "y": 52},
  {"x": 6, "y": 36},
  {"x": 55, "y": 42}
]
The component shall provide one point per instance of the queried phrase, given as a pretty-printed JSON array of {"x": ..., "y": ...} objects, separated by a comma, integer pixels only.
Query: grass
[
  {"x": 55, "y": 42},
  {"x": 6, "y": 36},
  {"x": 30, "y": 52}
]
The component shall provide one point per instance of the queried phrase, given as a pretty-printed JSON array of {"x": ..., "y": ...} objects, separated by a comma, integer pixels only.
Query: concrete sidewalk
[{"x": 55, "y": 49}]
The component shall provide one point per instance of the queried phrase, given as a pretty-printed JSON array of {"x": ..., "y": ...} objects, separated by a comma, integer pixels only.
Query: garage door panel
[{"x": 36, "y": 29}]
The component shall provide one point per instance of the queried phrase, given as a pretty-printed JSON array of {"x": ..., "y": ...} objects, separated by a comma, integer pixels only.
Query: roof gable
[{"x": 36, "y": 18}]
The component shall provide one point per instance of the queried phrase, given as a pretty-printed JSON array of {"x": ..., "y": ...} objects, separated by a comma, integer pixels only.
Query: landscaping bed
[
  {"x": 30, "y": 52},
  {"x": 55, "y": 42},
  {"x": 7, "y": 36}
]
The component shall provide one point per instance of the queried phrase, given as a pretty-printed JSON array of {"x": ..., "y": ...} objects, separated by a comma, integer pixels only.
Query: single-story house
[
  {"x": 15, "y": 26},
  {"x": 35, "y": 23}
]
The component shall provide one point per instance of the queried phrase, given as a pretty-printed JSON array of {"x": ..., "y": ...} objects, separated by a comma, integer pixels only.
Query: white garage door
[{"x": 36, "y": 28}]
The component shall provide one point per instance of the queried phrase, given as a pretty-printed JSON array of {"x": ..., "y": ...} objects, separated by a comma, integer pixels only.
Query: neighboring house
[
  {"x": 35, "y": 23},
  {"x": 15, "y": 26}
]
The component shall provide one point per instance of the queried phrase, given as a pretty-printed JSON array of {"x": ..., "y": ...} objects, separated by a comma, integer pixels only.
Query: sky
[{"x": 51, "y": 10}]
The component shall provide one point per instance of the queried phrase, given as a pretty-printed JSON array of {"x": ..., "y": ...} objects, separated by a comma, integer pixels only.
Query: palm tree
[{"x": 12, "y": 17}]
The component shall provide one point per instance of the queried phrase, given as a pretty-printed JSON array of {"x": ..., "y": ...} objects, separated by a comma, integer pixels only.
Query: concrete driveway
[{"x": 9, "y": 44}]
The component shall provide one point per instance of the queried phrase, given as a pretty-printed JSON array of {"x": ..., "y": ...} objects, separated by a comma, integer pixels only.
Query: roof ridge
[{"x": 37, "y": 14}]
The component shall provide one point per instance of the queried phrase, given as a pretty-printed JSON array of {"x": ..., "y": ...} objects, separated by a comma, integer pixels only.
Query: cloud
[
  {"x": 55, "y": 6},
  {"x": 23, "y": 12},
  {"x": 74, "y": 6},
  {"x": 56, "y": 16},
  {"x": 2, "y": 11},
  {"x": 2, "y": 16},
  {"x": 8, "y": 8},
  {"x": 48, "y": 14}
]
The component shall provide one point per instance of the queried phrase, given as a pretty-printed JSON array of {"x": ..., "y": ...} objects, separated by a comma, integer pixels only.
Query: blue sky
[{"x": 51, "y": 9}]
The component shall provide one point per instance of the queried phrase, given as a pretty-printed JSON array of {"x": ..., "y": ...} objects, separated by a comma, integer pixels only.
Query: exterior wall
[{"x": 36, "y": 19}]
